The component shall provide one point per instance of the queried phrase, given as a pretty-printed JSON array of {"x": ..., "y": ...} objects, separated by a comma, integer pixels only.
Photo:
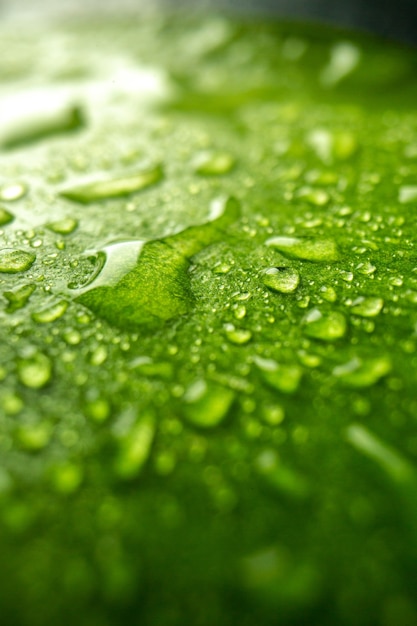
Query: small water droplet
[
  {"x": 328, "y": 326},
  {"x": 214, "y": 163},
  {"x": 207, "y": 404},
  {"x": 396, "y": 281},
  {"x": 115, "y": 187},
  {"x": 366, "y": 268},
  {"x": 35, "y": 372},
  {"x": 359, "y": 373},
  {"x": 65, "y": 226},
  {"x": 273, "y": 415},
  {"x": 98, "y": 355},
  {"x": 51, "y": 313},
  {"x": 5, "y": 216},
  {"x": 344, "y": 58},
  {"x": 238, "y": 336},
  {"x": 281, "y": 279},
  {"x": 239, "y": 311},
  {"x": 283, "y": 377},
  {"x": 367, "y": 307},
  {"x": 317, "y": 197},
  {"x": 306, "y": 248},
  {"x": 13, "y": 261},
  {"x": 98, "y": 409},
  {"x": 13, "y": 191}
]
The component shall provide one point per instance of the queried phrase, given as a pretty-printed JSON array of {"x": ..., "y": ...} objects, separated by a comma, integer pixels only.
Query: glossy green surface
[{"x": 208, "y": 277}]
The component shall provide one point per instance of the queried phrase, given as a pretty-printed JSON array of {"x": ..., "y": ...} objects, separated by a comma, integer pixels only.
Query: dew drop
[
  {"x": 35, "y": 437},
  {"x": 207, "y": 404},
  {"x": 13, "y": 191},
  {"x": 407, "y": 193},
  {"x": 367, "y": 307},
  {"x": 63, "y": 227},
  {"x": 283, "y": 377},
  {"x": 328, "y": 294},
  {"x": 35, "y": 372},
  {"x": 135, "y": 447},
  {"x": 18, "y": 298},
  {"x": 306, "y": 248},
  {"x": 325, "y": 326},
  {"x": 316, "y": 197},
  {"x": 214, "y": 163},
  {"x": 14, "y": 261},
  {"x": 281, "y": 478},
  {"x": 238, "y": 336},
  {"x": 115, "y": 187},
  {"x": 281, "y": 279},
  {"x": 51, "y": 313},
  {"x": 360, "y": 373}
]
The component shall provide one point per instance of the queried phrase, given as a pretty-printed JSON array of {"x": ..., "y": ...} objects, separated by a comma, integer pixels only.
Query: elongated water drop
[
  {"x": 283, "y": 377},
  {"x": 114, "y": 187},
  {"x": 18, "y": 297},
  {"x": 13, "y": 191},
  {"x": 207, "y": 404},
  {"x": 367, "y": 307},
  {"x": 306, "y": 248},
  {"x": 361, "y": 373}
]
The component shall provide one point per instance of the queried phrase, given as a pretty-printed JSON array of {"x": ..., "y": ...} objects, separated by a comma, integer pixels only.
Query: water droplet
[
  {"x": 115, "y": 187},
  {"x": 367, "y": 307},
  {"x": 325, "y": 326},
  {"x": 65, "y": 226},
  {"x": 366, "y": 268},
  {"x": 283, "y": 377},
  {"x": 360, "y": 373},
  {"x": 11, "y": 404},
  {"x": 306, "y": 248},
  {"x": 5, "y": 216},
  {"x": 391, "y": 461},
  {"x": 281, "y": 279},
  {"x": 51, "y": 313},
  {"x": 146, "y": 284},
  {"x": 396, "y": 281},
  {"x": 214, "y": 163},
  {"x": 239, "y": 336},
  {"x": 317, "y": 197},
  {"x": 30, "y": 130},
  {"x": 98, "y": 355},
  {"x": 273, "y": 415},
  {"x": 407, "y": 193},
  {"x": 328, "y": 294},
  {"x": 207, "y": 404},
  {"x": 72, "y": 337},
  {"x": 35, "y": 372},
  {"x": 239, "y": 311},
  {"x": 13, "y": 191},
  {"x": 146, "y": 367},
  {"x": 282, "y": 479},
  {"x": 344, "y": 58},
  {"x": 135, "y": 447},
  {"x": 18, "y": 297},
  {"x": 14, "y": 261}
]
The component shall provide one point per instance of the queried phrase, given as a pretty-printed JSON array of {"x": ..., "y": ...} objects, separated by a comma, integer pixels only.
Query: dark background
[{"x": 395, "y": 19}]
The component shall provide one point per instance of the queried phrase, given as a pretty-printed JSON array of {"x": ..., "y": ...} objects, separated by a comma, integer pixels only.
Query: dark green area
[{"x": 207, "y": 401}]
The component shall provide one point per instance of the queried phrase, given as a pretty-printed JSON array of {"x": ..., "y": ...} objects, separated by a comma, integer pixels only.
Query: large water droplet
[
  {"x": 281, "y": 279},
  {"x": 117, "y": 186},
  {"x": 207, "y": 404},
  {"x": 13, "y": 261},
  {"x": 238, "y": 336},
  {"x": 51, "y": 313},
  {"x": 360, "y": 373},
  {"x": 35, "y": 372},
  {"x": 367, "y": 307},
  {"x": 135, "y": 447},
  {"x": 13, "y": 191},
  {"x": 29, "y": 130},
  {"x": 328, "y": 326},
  {"x": 306, "y": 248},
  {"x": 283, "y": 377},
  {"x": 146, "y": 284}
]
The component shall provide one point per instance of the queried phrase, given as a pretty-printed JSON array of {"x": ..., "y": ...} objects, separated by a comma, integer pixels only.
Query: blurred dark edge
[{"x": 394, "y": 19}]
